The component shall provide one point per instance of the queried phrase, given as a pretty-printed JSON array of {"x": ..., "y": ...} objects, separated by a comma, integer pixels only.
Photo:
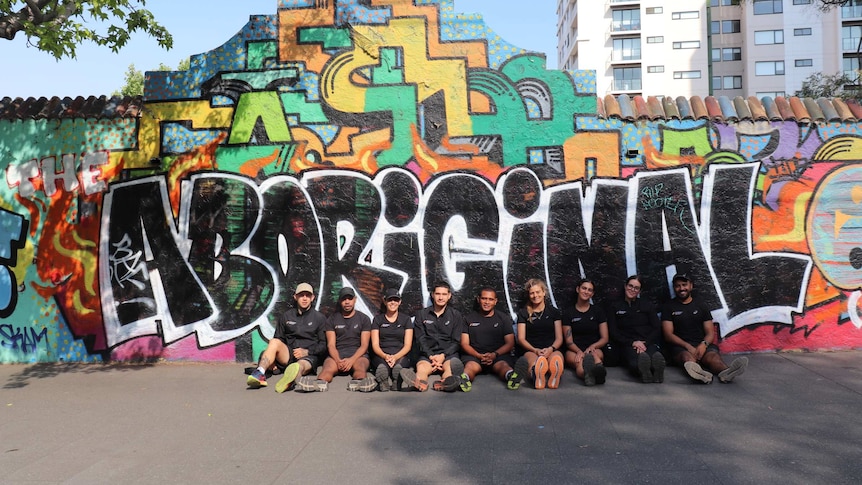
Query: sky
[{"x": 201, "y": 25}]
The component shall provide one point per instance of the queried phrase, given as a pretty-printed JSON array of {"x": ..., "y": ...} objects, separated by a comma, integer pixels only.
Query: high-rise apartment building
[{"x": 700, "y": 47}]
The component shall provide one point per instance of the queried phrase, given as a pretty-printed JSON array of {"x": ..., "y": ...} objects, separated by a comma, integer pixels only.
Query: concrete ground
[{"x": 792, "y": 418}]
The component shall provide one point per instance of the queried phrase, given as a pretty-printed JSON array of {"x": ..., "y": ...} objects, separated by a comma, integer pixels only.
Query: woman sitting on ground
[
  {"x": 540, "y": 334},
  {"x": 585, "y": 331},
  {"x": 391, "y": 341}
]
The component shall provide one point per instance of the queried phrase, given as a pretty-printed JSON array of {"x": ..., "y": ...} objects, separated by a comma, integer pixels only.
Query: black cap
[
  {"x": 681, "y": 276},
  {"x": 346, "y": 291},
  {"x": 391, "y": 294}
]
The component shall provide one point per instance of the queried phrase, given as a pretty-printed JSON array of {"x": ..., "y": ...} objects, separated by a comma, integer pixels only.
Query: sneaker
[
  {"x": 287, "y": 380},
  {"x": 658, "y": 366},
  {"x": 256, "y": 380},
  {"x": 589, "y": 370},
  {"x": 466, "y": 384},
  {"x": 456, "y": 365},
  {"x": 600, "y": 374},
  {"x": 539, "y": 372},
  {"x": 366, "y": 384},
  {"x": 517, "y": 375},
  {"x": 645, "y": 367},
  {"x": 382, "y": 376},
  {"x": 397, "y": 381},
  {"x": 696, "y": 372},
  {"x": 558, "y": 365},
  {"x": 310, "y": 384},
  {"x": 736, "y": 368},
  {"x": 449, "y": 384},
  {"x": 408, "y": 379}
]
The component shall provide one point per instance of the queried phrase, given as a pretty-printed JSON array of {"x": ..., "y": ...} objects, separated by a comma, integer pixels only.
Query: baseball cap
[
  {"x": 681, "y": 276},
  {"x": 391, "y": 294},
  {"x": 346, "y": 291},
  {"x": 302, "y": 287}
]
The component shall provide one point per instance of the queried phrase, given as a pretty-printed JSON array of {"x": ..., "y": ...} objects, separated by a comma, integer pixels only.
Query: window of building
[
  {"x": 654, "y": 10},
  {"x": 801, "y": 2},
  {"x": 730, "y": 26},
  {"x": 627, "y": 49},
  {"x": 770, "y": 94},
  {"x": 655, "y": 69},
  {"x": 850, "y": 36},
  {"x": 726, "y": 82},
  {"x": 769, "y": 37},
  {"x": 805, "y": 31},
  {"x": 851, "y": 66},
  {"x": 688, "y": 44},
  {"x": 765, "y": 7},
  {"x": 716, "y": 55},
  {"x": 686, "y": 74},
  {"x": 731, "y": 82},
  {"x": 731, "y": 54},
  {"x": 722, "y": 3},
  {"x": 769, "y": 68},
  {"x": 715, "y": 27},
  {"x": 627, "y": 78},
  {"x": 852, "y": 9},
  {"x": 655, "y": 40},
  {"x": 691, "y": 14},
  {"x": 803, "y": 62},
  {"x": 627, "y": 19}
]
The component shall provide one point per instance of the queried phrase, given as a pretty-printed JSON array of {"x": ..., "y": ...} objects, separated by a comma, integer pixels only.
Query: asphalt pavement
[{"x": 791, "y": 418}]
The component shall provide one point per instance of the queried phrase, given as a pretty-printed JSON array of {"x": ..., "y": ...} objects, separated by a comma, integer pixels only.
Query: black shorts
[
  {"x": 312, "y": 359},
  {"x": 676, "y": 349},
  {"x": 424, "y": 358},
  {"x": 507, "y": 358}
]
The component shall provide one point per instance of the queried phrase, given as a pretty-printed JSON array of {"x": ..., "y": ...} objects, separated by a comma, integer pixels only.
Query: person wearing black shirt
[
  {"x": 438, "y": 330},
  {"x": 634, "y": 325},
  {"x": 348, "y": 333},
  {"x": 689, "y": 329},
  {"x": 540, "y": 336},
  {"x": 487, "y": 343},
  {"x": 297, "y": 344},
  {"x": 585, "y": 332},
  {"x": 391, "y": 341}
]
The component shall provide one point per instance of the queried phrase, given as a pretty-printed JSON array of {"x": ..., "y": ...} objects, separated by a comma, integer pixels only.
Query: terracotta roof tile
[
  {"x": 785, "y": 112},
  {"x": 758, "y": 112},
  {"x": 655, "y": 108}
]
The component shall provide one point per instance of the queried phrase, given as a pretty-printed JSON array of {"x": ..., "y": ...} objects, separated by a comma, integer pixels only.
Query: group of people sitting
[{"x": 378, "y": 353}]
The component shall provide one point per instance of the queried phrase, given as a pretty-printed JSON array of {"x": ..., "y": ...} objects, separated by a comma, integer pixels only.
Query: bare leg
[
  {"x": 360, "y": 368},
  {"x": 330, "y": 368},
  {"x": 276, "y": 351},
  {"x": 472, "y": 369},
  {"x": 501, "y": 368}
]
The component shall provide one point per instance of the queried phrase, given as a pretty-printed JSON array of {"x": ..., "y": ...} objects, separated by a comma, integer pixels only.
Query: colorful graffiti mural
[{"x": 392, "y": 144}]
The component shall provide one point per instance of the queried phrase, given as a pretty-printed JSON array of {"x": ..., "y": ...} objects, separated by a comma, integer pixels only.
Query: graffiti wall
[{"x": 393, "y": 144}]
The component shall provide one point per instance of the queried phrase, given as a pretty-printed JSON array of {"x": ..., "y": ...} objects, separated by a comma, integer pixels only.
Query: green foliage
[
  {"x": 819, "y": 85},
  {"x": 134, "y": 85},
  {"x": 59, "y": 26}
]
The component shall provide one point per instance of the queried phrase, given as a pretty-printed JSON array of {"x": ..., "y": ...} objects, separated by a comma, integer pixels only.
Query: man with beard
[
  {"x": 688, "y": 328},
  {"x": 487, "y": 343},
  {"x": 348, "y": 333}
]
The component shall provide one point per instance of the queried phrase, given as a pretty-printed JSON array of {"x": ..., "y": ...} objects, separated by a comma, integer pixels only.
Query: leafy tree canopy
[
  {"x": 59, "y": 26},
  {"x": 134, "y": 85},
  {"x": 819, "y": 85}
]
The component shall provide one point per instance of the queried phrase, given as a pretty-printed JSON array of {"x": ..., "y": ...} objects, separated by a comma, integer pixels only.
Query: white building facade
[{"x": 700, "y": 47}]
